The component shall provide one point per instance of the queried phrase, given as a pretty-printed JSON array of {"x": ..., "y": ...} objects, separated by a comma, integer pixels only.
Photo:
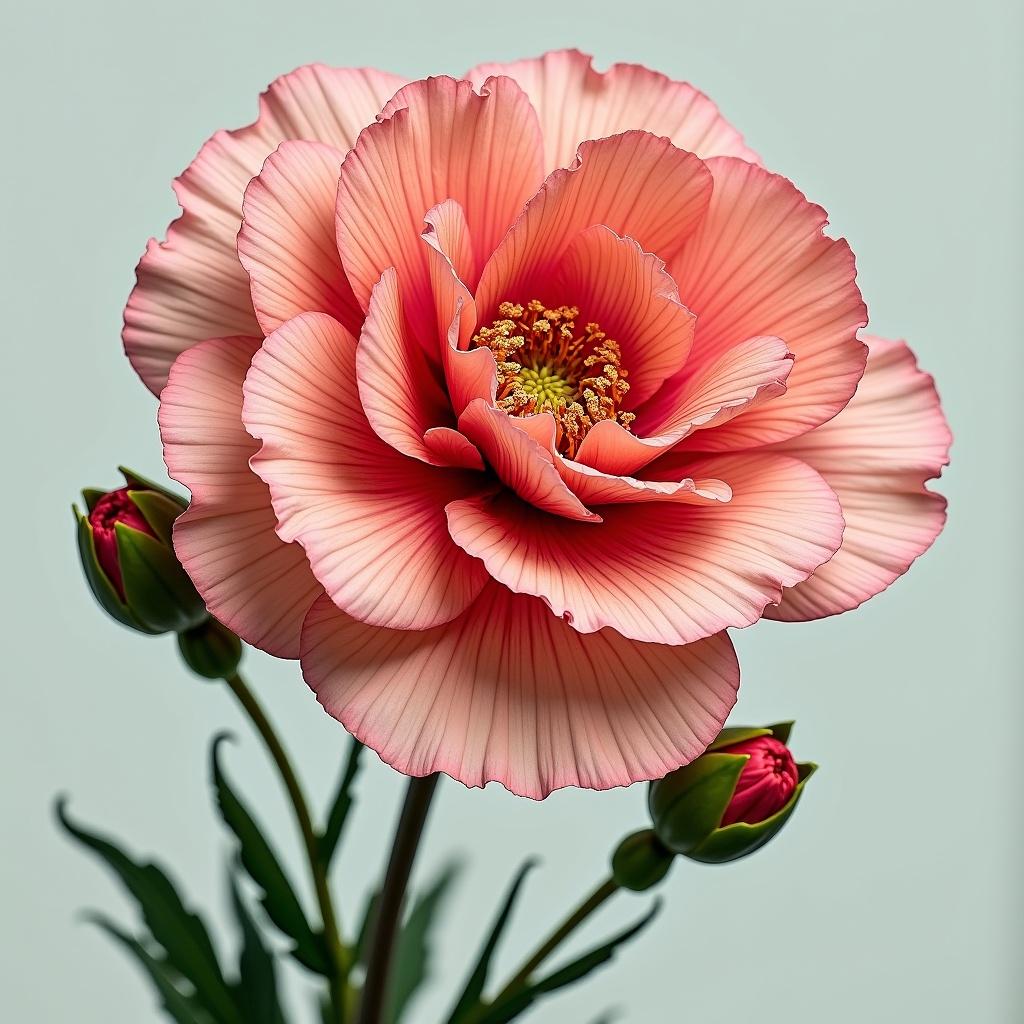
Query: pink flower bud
[
  {"x": 766, "y": 782},
  {"x": 113, "y": 508}
]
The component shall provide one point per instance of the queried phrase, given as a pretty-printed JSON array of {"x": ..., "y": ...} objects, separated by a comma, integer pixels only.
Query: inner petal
[{"x": 546, "y": 363}]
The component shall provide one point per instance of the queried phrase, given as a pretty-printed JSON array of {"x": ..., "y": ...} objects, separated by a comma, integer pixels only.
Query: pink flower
[
  {"x": 766, "y": 783},
  {"x": 501, "y": 399}
]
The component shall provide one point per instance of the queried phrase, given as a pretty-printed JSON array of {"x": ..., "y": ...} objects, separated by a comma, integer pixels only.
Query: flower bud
[
  {"x": 210, "y": 650},
  {"x": 641, "y": 861},
  {"x": 124, "y": 540},
  {"x": 732, "y": 799}
]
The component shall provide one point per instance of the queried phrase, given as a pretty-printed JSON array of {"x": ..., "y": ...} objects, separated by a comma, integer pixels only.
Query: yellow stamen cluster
[{"x": 545, "y": 365}]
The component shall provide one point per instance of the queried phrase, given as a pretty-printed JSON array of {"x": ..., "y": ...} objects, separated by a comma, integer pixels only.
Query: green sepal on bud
[
  {"x": 688, "y": 806},
  {"x": 211, "y": 650},
  {"x": 641, "y": 861}
]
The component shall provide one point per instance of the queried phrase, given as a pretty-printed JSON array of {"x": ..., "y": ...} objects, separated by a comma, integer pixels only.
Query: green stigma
[{"x": 542, "y": 383}]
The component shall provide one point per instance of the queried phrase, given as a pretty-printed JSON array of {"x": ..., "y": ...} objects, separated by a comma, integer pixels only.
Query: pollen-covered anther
[{"x": 545, "y": 365}]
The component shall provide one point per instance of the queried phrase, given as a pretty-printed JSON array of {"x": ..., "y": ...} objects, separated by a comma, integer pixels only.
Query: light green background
[{"x": 894, "y": 895}]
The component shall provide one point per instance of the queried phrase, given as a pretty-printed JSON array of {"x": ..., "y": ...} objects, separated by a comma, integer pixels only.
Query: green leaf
[
  {"x": 571, "y": 972},
  {"x": 362, "y": 946},
  {"x": 181, "y": 934},
  {"x": 412, "y": 950},
  {"x": 608, "y": 1017},
  {"x": 259, "y": 860},
  {"x": 180, "y": 1008},
  {"x": 737, "y": 734},
  {"x": 256, "y": 991},
  {"x": 472, "y": 993},
  {"x": 343, "y": 800}
]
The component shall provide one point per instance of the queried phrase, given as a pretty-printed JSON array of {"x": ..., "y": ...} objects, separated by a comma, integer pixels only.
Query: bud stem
[{"x": 339, "y": 973}]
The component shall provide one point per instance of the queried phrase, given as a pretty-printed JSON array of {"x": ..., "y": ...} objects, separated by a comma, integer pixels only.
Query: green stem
[
  {"x": 418, "y": 796},
  {"x": 336, "y": 950},
  {"x": 522, "y": 977}
]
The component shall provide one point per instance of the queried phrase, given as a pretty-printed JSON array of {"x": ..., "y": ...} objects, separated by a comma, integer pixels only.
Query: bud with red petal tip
[
  {"x": 124, "y": 540},
  {"x": 732, "y": 799}
]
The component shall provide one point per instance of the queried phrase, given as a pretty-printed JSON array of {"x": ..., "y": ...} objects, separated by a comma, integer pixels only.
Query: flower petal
[
  {"x": 666, "y": 572},
  {"x": 760, "y": 265},
  {"x": 509, "y": 693},
  {"x": 371, "y": 520},
  {"x": 287, "y": 242},
  {"x": 636, "y": 184},
  {"x": 192, "y": 286},
  {"x": 877, "y": 455},
  {"x": 576, "y": 103},
  {"x": 438, "y": 140},
  {"x": 593, "y": 487},
  {"x": 256, "y": 584},
  {"x": 614, "y": 282}
]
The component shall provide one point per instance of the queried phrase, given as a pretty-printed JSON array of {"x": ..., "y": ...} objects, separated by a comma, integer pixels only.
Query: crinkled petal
[
  {"x": 256, "y": 584},
  {"x": 509, "y": 693},
  {"x": 760, "y": 265},
  {"x": 371, "y": 520},
  {"x": 593, "y": 487},
  {"x": 576, "y": 103},
  {"x": 664, "y": 572},
  {"x": 287, "y": 242},
  {"x": 192, "y": 286},
  {"x": 877, "y": 455}
]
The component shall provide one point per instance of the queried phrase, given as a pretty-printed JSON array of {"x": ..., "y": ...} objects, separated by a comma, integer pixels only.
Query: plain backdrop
[{"x": 895, "y": 893}]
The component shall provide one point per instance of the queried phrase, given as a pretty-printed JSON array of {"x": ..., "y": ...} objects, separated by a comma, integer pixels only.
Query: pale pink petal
[
  {"x": 636, "y": 184},
  {"x": 256, "y": 584},
  {"x": 522, "y": 464},
  {"x": 371, "y": 520},
  {"x": 664, "y": 572},
  {"x": 438, "y": 140},
  {"x": 877, "y": 455},
  {"x": 192, "y": 286},
  {"x": 626, "y": 290},
  {"x": 509, "y": 693},
  {"x": 287, "y": 242},
  {"x": 760, "y": 265},
  {"x": 575, "y": 103}
]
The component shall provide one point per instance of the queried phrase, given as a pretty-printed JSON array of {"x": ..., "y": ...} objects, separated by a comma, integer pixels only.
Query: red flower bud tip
[
  {"x": 113, "y": 508},
  {"x": 765, "y": 784}
]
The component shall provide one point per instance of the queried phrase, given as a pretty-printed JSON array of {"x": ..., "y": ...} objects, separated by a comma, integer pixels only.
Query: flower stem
[
  {"x": 418, "y": 796},
  {"x": 336, "y": 951},
  {"x": 522, "y": 977}
]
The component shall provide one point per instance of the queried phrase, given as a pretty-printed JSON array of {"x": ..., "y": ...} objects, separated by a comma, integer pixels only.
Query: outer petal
[
  {"x": 254, "y": 582},
  {"x": 287, "y": 242},
  {"x": 876, "y": 454},
  {"x": 371, "y": 520},
  {"x": 440, "y": 140},
  {"x": 576, "y": 103},
  {"x": 636, "y": 184},
  {"x": 760, "y": 265},
  {"x": 626, "y": 290},
  {"x": 192, "y": 286},
  {"x": 511, "y": 694},
  {"x": 665, "y": 572}
]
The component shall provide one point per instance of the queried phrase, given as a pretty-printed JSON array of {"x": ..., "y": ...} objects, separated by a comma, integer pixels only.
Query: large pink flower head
[{"x": 501, "y": 399}]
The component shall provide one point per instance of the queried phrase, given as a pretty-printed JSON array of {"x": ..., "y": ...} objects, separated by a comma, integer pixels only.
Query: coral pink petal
[
  {"x": 509, "y": 693},
  {"x": 438, "y": 140},
  {"x": 668, "y": 572},
  {"x": 287, "y": 242},
  {"x": 192, "y": 286},
  {"x": 522, "y": 464},
  {"x": 399, "y": 393},
  {"x": 593, "y": 487},
  {"x": 637, "y": 184},
  {"x": 615, "y": 283},
  {"x": 256, "y": 584},
  {"x": 575, "y": 103},
  {"x": 877, "y": 455},
  {"x": 760, "y": 265},
  {"x": 371, "y": 520}
]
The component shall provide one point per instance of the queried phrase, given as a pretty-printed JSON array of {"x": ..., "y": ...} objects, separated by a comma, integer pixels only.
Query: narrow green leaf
[
  {"x": 180, "y": 1008},
  {"x": 181, "y": 933},
  {"x": 571, "y": 972},
  {"x": 471, "y": 994},
  {"x": 256, "y": 991},
  {"x": 412, "y": 951},
  {"x": 343, "y": 801},
  {"x": 362, "y": 946},
  {"x": 259, "y": 860}
]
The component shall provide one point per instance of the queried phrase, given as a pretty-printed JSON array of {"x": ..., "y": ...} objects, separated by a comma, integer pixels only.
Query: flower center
[{"x": 546, "y": 365}]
